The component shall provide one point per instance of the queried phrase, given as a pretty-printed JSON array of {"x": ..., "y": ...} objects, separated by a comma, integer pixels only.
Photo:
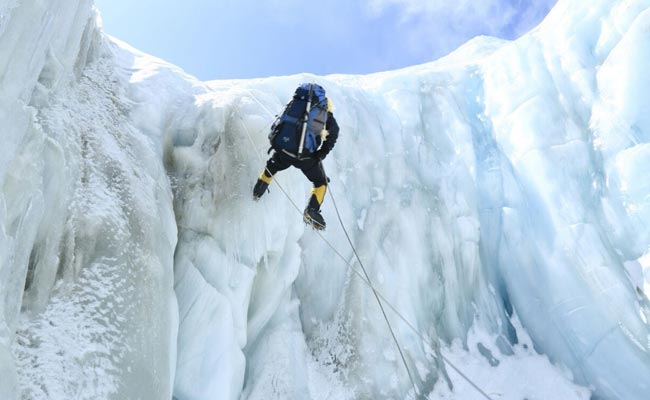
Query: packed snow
[{"x": 498, "y": 198}]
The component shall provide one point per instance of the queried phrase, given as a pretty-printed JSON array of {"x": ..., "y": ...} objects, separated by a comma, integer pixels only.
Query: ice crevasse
[{"x": 498, "y": 198}]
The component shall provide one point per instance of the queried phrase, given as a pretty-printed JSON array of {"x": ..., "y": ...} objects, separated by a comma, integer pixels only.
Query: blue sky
[{"x": 223, "y": 39}]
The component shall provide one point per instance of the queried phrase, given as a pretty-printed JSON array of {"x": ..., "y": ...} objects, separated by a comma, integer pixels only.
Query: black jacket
[{"x": 333, "y": 129}]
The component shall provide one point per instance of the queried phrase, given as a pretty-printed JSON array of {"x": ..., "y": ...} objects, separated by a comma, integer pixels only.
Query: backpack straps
[{"x": 301, "y": 144}]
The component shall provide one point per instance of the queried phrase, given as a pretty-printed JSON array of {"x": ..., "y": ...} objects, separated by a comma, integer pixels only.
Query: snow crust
[{"x": 498, "y": 198}]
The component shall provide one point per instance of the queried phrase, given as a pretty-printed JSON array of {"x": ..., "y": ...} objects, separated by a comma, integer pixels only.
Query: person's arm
[{"x": 332, "y": 128}]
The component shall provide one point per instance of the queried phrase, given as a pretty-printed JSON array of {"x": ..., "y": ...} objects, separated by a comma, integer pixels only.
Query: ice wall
[
  {"x": 503, "y": 178},
  {"x": 567, "y": 120},
  {"x": 87, "y": 232},
  {"x": 494, "y": 195},
  {"x": 24, "y": 52}
]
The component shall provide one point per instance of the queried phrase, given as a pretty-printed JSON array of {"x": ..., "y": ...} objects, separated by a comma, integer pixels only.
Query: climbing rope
[
  {"x": 378, "y": 296},
  {"x": 374, "y": 291},
  {"x": 366, "y": 279}
]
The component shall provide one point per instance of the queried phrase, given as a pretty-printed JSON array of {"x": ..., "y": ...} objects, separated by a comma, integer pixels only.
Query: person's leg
[
  {"x": 276, "y": 163},
  {"x": 316, "y": 175}
]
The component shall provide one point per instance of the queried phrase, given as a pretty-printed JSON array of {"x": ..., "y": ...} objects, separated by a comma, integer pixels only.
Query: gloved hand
[{"x": 320, "y": 155}]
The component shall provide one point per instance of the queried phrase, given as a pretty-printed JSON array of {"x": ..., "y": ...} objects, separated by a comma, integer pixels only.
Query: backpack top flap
[{"x": 318, "y": 93}]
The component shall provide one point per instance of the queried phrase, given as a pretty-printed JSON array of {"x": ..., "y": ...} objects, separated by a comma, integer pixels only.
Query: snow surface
[{"x": 498, "y": 198}]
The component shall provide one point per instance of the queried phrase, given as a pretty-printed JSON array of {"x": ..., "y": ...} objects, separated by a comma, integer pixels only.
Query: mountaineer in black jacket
[{"x": 288, "y": 129}]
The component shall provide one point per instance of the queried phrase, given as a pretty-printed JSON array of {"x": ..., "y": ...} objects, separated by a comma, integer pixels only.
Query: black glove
[{"x": 320, "y": 155}]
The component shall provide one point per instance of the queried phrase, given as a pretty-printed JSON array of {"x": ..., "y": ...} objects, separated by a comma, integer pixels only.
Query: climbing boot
[
  {"x": 314, "y": 218},
  {"x": 261, "y": 186},
  {"x": 312, "y": 214}
]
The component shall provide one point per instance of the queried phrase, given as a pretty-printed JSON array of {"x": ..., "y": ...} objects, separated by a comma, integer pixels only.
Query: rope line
[
  {"x": 374, "y": 292},
  {"x": 365, "y": 278},
  {"x": 395, "y": 310}
]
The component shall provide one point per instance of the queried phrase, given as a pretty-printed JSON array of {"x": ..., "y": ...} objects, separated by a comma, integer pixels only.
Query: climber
[{"x": 302, "y": 136}]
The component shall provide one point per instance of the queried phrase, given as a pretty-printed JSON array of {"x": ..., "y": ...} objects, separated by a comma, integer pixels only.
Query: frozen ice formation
[{"x": 498, "y": 198}]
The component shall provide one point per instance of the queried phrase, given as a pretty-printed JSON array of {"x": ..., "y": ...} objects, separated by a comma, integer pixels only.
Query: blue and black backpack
[{"x": 287, "y": 130}]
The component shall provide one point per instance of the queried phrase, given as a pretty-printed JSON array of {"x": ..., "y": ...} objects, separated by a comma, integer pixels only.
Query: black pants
[{"x": 311, "y": 167}]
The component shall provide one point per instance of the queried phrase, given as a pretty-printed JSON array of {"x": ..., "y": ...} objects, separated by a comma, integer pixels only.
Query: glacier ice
[
  {"x": 498, "y": 198},
  {"x": 88, "y": 230}
]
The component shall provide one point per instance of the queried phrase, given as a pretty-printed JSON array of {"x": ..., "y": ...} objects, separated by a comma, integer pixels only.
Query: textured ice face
[
  {"x": 87, "y": 308},
  {"x": 475, "y": 186},
  {"x": 494, "y": 196}
]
